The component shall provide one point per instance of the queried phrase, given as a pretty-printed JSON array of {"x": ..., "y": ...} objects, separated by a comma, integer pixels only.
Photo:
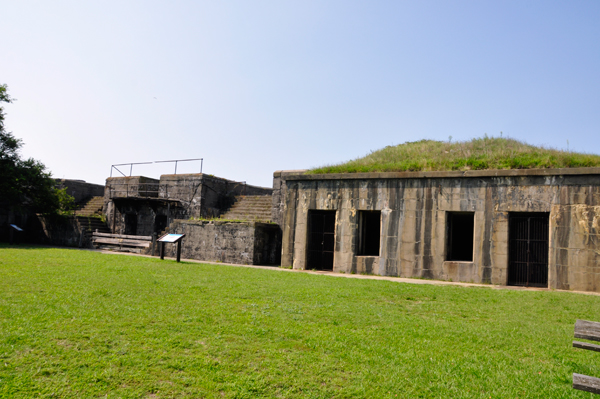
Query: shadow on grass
[{"x": 5, "y": 245}]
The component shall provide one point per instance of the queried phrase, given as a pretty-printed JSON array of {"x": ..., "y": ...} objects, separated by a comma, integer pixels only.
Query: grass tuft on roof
[{"x": 476, "y": 154}]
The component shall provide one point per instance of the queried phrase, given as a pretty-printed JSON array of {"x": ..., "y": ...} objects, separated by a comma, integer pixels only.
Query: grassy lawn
[
  {"x": 81, "y": 324},
  {"x": 476, "y": 154}
]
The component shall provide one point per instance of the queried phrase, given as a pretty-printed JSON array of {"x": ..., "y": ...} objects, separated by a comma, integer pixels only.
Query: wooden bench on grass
[
  {"x": 122, "y": 242},
  {"x": 589, "y": 330}
]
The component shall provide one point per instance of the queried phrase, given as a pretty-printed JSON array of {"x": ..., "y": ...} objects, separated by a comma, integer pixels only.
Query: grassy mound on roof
[{"x": 477, "y": 154}]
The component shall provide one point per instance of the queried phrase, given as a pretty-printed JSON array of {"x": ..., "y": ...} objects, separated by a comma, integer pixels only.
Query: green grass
[
  {"x": 89, "y": 325},
  {"x": 477, "y": 154}
]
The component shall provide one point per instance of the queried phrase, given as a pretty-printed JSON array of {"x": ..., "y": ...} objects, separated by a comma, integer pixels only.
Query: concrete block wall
[
  {"x": 205, "y": 195},
  {"x": 414, "y": 208},
  {"x": 180, "y": 196},
  {"x": 229, "y": 242},
  {"x": 59, "y": 230},
  {"x": 80, "y": 190}
]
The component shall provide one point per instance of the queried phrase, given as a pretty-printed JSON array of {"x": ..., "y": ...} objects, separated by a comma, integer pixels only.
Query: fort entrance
[
  {"x": 528, "y": 249},
  {"x": 321, "y": 239}
]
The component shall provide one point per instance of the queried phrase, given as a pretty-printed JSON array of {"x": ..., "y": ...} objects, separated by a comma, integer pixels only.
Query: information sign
[{"x": 171, "y": 237}]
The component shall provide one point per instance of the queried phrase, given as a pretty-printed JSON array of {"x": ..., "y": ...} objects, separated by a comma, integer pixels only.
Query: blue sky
[{"x": 258, "y": 86}]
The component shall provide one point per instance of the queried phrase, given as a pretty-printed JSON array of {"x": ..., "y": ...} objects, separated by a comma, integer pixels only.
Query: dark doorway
[
  {"x": 321, "y": 239},
  {"x": 528, "y": 249},
  {"x": 369, "y": 233},
  {"x": 160, "y": 223},
  {"x": 459, "y": 236},
  {"x": 130, "y": 224}
]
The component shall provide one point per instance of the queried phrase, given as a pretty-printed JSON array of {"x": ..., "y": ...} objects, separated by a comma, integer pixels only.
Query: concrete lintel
[
  {"x": 295, "y": 176},
  {"x": 143, "y": 179},
  {"x": 294, "y": 172}
]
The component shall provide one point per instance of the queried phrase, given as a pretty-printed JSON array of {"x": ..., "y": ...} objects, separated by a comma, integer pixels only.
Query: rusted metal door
[
  {"x": 528, "y": 249},
  {"x": 321, "y": 239}
]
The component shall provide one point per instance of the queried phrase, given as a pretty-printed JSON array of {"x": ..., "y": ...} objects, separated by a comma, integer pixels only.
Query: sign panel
[
  {"x": 16, "y": 227},
  {"x": 171, "y": 237}
]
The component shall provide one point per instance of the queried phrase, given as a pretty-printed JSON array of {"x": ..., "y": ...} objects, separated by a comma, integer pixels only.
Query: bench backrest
[{"x": 589, "y": 330}]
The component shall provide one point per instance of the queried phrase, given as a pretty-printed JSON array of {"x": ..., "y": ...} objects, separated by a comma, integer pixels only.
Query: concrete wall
[
  {"x": 175, "y": 196},
  {"x": 80, "y": 190},
  {"x": 63, "y": 231},
  {"x": 22, "y": 218},
  {"x": 55, "y": 230},
  {"x": 414, "y": 210},
  {"x": 130, "y": 187},
  {"x": 132, "y": 194},
  {"x": 279, "y": 192},
  {"x": 145, "y": 212},
  {"x": 205, "y": 195},
  {"x": 228, "y": 242}
]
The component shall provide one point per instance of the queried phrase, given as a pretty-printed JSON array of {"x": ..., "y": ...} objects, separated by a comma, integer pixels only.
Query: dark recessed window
[
  {"x": 369, "y": 231},
  {"x": 160, "y": 223},
  {"x": 460, "y": 227},
  {"x": 130, "y": 224}
]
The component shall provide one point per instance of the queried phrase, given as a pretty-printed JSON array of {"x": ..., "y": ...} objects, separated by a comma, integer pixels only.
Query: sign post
[
  {"x": 172, "y": 238},
  {"x": 13, "y": 229}
]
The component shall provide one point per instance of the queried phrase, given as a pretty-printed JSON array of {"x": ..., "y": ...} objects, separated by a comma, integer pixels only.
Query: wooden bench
[
  {"x": 589, "y": 330},
  {"x": 122, "y": 241}
]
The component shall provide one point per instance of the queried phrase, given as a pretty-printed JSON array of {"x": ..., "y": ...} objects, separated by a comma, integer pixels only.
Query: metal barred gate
[
  {"x": 321, "y": 239},
  {"x": 528, "y": 249}
]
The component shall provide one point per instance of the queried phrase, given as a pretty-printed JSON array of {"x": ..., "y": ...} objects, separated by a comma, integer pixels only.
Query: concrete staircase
[
  {"x": 252, "y": 208},
  {"x": 93, "y": 207},
  {"x": 88, "y": 215},
  {"x": 91, "y": 224}
]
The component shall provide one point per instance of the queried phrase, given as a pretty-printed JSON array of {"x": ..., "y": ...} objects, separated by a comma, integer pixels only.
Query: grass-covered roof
[{"x": 476, "y": 154}]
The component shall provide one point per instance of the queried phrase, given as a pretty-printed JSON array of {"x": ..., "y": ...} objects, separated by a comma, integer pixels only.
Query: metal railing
[
  {"x": 145, "y": 163},
  {"x": 184, "y": 160},
  {"x": 127, "y": 190},
  {"x": 123, "y": 164}
]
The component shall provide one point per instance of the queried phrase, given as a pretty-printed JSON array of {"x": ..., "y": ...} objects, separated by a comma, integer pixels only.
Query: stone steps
[
  {"x": 91, "y": 207},
  {"x": 251, "y": 208},
  {"x": 91, "y": 224}
]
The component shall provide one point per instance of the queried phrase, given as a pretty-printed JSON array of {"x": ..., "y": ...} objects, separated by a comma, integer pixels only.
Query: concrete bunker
[
  {"x": 537, "y": 227},
  {"x": 199, "y": 206}
]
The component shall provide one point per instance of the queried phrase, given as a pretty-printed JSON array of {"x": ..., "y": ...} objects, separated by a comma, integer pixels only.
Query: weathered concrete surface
[
  {"x": 413, "y": 226},
  {"x": 62, "y": 231},
  {"x": 155, "y": 204},
  {"x": 279, "y": 192},
  {"x": 80, "y": 190},
  {"x": 134, "y": 195},
  {"x": 230, "y": 242}
]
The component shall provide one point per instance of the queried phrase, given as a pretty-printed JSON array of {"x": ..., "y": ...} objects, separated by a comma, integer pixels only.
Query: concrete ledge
[
  {"x": 301, "y": 175},
  {"x": 219, "y": 222}
]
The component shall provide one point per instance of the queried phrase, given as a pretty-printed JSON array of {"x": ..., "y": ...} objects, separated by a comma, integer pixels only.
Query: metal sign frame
[{"x": 173, "y": 239}]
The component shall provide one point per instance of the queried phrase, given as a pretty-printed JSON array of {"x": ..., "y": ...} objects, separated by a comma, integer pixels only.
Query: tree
[{"x": 23, "y": 183}]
